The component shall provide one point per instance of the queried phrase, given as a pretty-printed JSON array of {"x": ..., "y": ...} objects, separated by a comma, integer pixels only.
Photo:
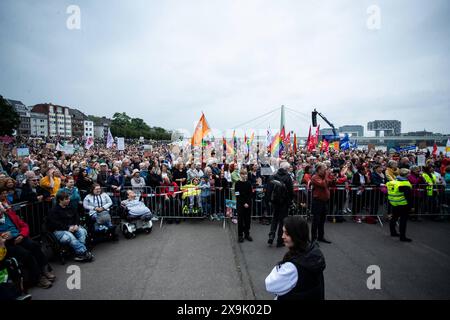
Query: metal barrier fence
[
  {"x": 189, "y": 202},
  {"x": 33, "y": 214}
]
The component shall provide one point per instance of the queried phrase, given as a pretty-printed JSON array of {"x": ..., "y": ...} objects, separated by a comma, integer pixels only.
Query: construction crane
[{"x": 314, "y": 121}]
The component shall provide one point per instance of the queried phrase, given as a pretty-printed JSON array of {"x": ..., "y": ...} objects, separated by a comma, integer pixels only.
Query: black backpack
[{"x": 279, "y": 192}]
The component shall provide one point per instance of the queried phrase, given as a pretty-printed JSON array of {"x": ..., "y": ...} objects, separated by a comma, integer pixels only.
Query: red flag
[
  {"x": 325, "y": 145},
  {"x": 316, "y": 139},
  {"x": 434, "y": 150},
  {"x": 309, "y": 137},
  {"x": 282, "y": 134},
  {"x": 288, "y": 138}
]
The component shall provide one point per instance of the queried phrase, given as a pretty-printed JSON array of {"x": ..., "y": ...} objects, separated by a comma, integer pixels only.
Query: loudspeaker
[{"x": 314, "y": 118}]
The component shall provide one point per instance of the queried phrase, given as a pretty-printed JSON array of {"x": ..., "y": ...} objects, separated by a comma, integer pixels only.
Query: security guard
[
  {"x": 399, "y": 195},
  {"x": 430, "y": 179}
]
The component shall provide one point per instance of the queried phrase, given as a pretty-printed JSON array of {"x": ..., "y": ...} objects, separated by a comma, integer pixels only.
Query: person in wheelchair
[
  {"x": 64, "y": 222},
  {"x": 11, "y": 281},
  {"x": 138, "y": 216},
  {"x": 16, "y": 233},
  {"x": 98, "y": 203}
]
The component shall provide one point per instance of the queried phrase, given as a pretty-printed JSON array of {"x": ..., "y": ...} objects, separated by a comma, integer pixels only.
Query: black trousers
[
  {"x": 402, "y": 213},
  {"x": 28, "y": 253},
  {"x": 244, "y": 220},
  {"x": 319, "y": 211},
  {"x": 279, "y": 213}
]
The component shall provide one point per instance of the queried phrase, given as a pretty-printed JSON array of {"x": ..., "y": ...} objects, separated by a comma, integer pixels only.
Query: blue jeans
[
  {"x": 206, "y": 205},
  {"x": 76, "y": 239}
]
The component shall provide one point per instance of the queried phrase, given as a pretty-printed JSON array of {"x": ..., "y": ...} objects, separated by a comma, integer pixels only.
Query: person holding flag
[{"x": 201, "y": 130}]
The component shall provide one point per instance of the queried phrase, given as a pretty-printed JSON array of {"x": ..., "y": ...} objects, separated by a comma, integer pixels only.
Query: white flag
[
  {"x": 110, "y": 139},
  {"x": 268, "y": 138},
  {"x": 89, "y": 143}
]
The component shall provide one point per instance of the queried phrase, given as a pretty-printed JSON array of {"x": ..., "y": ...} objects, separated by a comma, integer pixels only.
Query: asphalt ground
[{"x": 201, "y": 260}]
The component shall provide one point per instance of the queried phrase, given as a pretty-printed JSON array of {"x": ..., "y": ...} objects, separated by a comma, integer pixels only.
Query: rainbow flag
[{"x": 276, "y": 145}]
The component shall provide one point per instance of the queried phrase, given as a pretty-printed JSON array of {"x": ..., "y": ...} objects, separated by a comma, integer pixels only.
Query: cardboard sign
[
  {"x": 266, "y": 171},
  {"x": 230, "y": 204},
  {"x": 50, "y": 146},
  {"x": 422, "y": 145},
  {"x": 421, "y": 160},
  {"x": 121, "y": 144},
  {"x": 23, "y": 152}
]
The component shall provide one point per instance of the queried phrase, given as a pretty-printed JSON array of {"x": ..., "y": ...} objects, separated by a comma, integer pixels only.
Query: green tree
[
  {"x": 9, "y": 120},
  {"x": 124, "y": 126}
]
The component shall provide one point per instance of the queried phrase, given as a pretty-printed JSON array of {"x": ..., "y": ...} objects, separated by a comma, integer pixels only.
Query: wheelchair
[
  {"x": 52, "y": 248},
  {"x": 129, "y": 225},
  {"x": 95, "y": 236},
  {"x": 13, "y": 288}
]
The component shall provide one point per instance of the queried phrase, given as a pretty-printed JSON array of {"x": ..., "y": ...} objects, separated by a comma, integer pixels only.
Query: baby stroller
[
  {"x": 191, "y": 200},
  {"x": 135, "y": 216}
]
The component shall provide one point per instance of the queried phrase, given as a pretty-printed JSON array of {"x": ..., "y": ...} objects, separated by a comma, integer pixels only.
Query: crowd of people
[{"x": 76, "y": 183}]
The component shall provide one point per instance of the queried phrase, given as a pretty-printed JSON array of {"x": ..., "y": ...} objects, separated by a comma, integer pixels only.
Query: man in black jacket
[
  {"x": 243, "y": 192},
  {"x": 31, "y": 191},
  {"x": 280, "y": 205},
  {"x": 103, "y": 175},
  {"x": 63, "y": 221}
]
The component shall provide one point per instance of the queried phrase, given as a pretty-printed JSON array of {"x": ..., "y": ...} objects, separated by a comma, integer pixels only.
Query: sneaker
[
  {"x": 155, "y": 219},
  {"x": 324, "y": 240},
  {"x": 270, "y": 241},
  {"x": 49, "y": 275},
  {"x": 44, "y": 282},
  {"x": 248, "y": 238},
  {"x": 234, "y": 220},
  {"x": 85, "y": 257}
]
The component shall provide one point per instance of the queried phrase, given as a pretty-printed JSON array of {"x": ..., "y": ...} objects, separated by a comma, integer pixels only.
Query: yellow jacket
[
  {"x": 45, "y": 183},
  {"x": 392, "y": 174},
  {"x": 190, "y": 190}
]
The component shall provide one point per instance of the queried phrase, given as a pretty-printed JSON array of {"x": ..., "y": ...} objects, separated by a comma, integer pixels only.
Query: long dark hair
[{"x": 297, "y": 228}]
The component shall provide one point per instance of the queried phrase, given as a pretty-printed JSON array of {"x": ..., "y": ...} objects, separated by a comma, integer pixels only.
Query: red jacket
[{"x": 19, "y": 223}]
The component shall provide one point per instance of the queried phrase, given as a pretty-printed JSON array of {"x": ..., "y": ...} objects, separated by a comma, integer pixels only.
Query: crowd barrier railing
[
  {"x": 34, "y": 215},
  {"x": 187, "y": 202}
]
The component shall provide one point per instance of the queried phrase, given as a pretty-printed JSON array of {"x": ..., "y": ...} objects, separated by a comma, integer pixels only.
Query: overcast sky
[{"x": 166, "y": 61}]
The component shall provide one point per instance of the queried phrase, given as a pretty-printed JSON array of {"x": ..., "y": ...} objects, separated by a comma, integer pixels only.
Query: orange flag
[
  {"x": 200, "y": 132},
  {"x": 295, "y": 143}
]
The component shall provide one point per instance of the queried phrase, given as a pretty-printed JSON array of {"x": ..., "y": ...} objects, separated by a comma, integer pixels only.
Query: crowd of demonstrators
[{"x": 80, "y": 182}]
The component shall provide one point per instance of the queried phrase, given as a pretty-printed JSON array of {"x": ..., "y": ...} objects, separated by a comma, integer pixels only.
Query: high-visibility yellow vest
[
  {"x": 431, "y": 182},
  {"x": 190, "y": 190},
  {"x": 395, "y": 196}
]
